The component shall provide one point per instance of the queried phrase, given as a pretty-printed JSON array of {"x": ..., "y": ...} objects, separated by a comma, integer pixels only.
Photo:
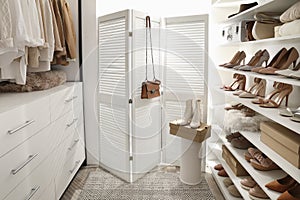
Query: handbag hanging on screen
[{"x": 150, "y": 89}]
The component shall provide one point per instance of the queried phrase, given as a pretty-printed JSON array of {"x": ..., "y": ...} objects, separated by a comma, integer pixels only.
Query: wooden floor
[{"x": 84, "y": 171}]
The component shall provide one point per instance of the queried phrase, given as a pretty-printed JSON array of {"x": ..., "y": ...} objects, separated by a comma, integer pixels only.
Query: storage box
[
  {"x": 235, "y": 32},
  {"x": 282, "y": 150},
  {"x": 233, "y": 163},
  {"x": 197, "y": 135},
  {"x": 289, "y": 139}
]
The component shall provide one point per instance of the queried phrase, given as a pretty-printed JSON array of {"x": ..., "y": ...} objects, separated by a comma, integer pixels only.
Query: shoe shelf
[
  {"x": 260, "y": 177},
  {"x": 278, "y": 78},
  {"x": 271, "y": 113},
  {"x": 222, "y": 187},
  {"x": 254, "y": 138},
  {"x": 289, "y": 39},
  {"x": 267, "y": 6}
]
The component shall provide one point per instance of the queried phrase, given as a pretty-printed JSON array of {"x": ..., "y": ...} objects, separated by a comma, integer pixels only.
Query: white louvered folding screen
[
  {"x": 185, "y": 73},
  {"x": 113, "y": 94}
]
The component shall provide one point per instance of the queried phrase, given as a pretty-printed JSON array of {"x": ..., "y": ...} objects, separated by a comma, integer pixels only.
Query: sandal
[
  {"x": 287, "y": 112},
  {"x": 296, "y": 117},
  {"x": 284, "y": 93},
  {"x": 258, "y": 90},
  {"x": 237, "y": 85},
  {"x": 278, "y": 87}
]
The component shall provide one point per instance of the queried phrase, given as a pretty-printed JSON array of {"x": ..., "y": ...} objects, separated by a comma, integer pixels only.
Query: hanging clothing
[
  {"x": 7, "y": 50},
  {"x": 43, "y": 55}
]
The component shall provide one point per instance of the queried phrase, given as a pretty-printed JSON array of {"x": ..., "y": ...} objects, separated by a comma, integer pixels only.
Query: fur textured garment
[{"x": 36, "y": 81}]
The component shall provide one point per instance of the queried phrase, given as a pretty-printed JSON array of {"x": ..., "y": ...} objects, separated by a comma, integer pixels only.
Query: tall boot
[
  {"x": 188, "y": 113},
  {"x": 196, "y": 121}
]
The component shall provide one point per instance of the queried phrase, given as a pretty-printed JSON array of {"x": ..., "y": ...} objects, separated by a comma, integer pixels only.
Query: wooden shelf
[
  {"x": 278, "y": 78},
  {"x": 219, "y": 181},
  {"x": 268, "y": 6},
  {"x": 254, "y": 138},
  {"x": 271, "y": 113}
]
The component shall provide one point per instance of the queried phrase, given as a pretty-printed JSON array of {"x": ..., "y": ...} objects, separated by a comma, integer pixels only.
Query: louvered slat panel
[{"x": 112, "y": 49}]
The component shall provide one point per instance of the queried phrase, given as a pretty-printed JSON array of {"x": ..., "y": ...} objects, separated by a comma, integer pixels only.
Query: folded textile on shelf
[
  {"x": 291, "y": 14},
  {"x": 290, "y": 28}
]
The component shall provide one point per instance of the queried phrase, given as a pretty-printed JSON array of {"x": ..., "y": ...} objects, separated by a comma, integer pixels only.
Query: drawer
[
  {"x": 35, "y": 184},
  {"x": 65, "y": 100},
  {"x": 68, "y": 147},
  {"x": 49, "y": 193},
  {"x": 69, "y": 170},
  {"x": 19, "y": 124},
  {"x": 20, "y": 162}
]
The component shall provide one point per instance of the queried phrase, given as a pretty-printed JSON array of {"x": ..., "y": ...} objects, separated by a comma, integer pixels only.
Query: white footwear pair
[{"x": 192, "y": 117}]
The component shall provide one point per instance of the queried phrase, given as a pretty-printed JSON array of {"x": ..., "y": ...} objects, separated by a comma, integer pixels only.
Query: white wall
[{"x": 158, "y": 8}]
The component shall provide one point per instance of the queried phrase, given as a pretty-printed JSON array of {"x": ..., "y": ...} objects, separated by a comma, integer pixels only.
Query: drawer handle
[
  {"x": 27, "y": 123},
  {"x": 73, "y": 145},
  {"x": 76, "y": 165},
  {"x": 29, "y": 159},
  {"x": 71, "y": 99},
  {"x": 32, "y": 192},
  {"x": 74, "y": 120}
]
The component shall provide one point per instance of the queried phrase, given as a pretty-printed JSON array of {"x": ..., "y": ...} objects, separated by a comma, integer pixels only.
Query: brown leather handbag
[{"x": 150, "y": 89}]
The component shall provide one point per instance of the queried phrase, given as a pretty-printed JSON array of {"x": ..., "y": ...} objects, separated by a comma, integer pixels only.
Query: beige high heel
[
  {"x": 274, "y": 61},
  {"x": 238, "y": 85},
  {"x": 277, "y": 88},
  {"x": 290, "y": 57},
  {"x": 284, "y": 93},
  {"x": 258, "y": 61},
  {"x": 259, "y": 90},
  {"x": 233, "y": 60},
  {"x": 239, "y": 60}
]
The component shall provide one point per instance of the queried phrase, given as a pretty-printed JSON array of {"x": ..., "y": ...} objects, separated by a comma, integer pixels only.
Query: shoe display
[
  {"x": 188, "y": 113},
  {"x": 251, "y": 61},
  {"x": 282, "y": 185},
  {"x": 223, "y": 173},
  {"x": 241, "y": 58},
  {"x": 258, "y": 61},
  {"x": 241, "y": 143},
  {"x": 238, "y": 84},
  {"x": 232, "y": 136},
  {"x": 258, "y": 90},
  {"x": 283, "y": 93},
  {"x": 256, "y": 193},
  {"x": 233, "y": 60},
  {"x": 227, "y": 182},
  {"x": 218, "y": 167},
  {"x": 291, "y": 194},
  {"x": 234, "y": 191},
  {"x": 290, "y": 57},
  {"x": 196, "y": 120},
  {"x": 274, "y": 61},
  {"x": 277, "y": 88},
  {"x": 248, "y": 183}
]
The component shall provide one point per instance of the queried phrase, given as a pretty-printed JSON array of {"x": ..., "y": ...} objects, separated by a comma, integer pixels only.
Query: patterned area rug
[{"x": 155, "y": 185}]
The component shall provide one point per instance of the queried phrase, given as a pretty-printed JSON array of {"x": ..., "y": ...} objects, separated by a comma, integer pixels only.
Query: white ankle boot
[
  {"x": 188, "y": 113},
  {"x": 196, "y": 121}
]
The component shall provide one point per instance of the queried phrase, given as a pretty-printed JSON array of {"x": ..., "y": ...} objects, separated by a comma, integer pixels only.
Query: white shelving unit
[
  {"x": 219, "y": 181},
  {"x": 278, "y": 78},
  {"x": 271, "y": 113},
  {"x": 217, "y": 150},
  {"x": 220, "y": 53},
  {"x": 254, "y": 138},
  {"x": 261, "y": 177},
  {"x": 267, "y": 6}
]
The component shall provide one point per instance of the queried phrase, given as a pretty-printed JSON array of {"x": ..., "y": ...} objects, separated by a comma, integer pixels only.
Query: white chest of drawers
[{"x": 41, "y": 142}]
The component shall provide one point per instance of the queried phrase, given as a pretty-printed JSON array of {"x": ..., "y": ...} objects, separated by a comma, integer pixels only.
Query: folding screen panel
[
  {"x": 113, "y": 94},
  {"x": 185, "y": 73}
]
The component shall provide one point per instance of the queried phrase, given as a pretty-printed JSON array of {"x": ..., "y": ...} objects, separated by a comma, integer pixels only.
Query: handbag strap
[{"x": 148, "y": 29}]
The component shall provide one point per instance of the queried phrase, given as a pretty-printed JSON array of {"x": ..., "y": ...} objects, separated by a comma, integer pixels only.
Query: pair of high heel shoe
[
  {"x": 191, "y": 116},
  {"x": 281, "y": 61},
  {"x": 257, "y": 89},
  {"x": 238, "y": 83},
  {"x": 275, "y": 98},
  {"x": 237, "y": 59},
  {"x": 256, "y": 61}
]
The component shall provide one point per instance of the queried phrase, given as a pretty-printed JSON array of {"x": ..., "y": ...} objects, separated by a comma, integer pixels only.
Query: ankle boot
[
  {"x": 188, "y": 113},
  {"x": 195, "y": 123}
]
